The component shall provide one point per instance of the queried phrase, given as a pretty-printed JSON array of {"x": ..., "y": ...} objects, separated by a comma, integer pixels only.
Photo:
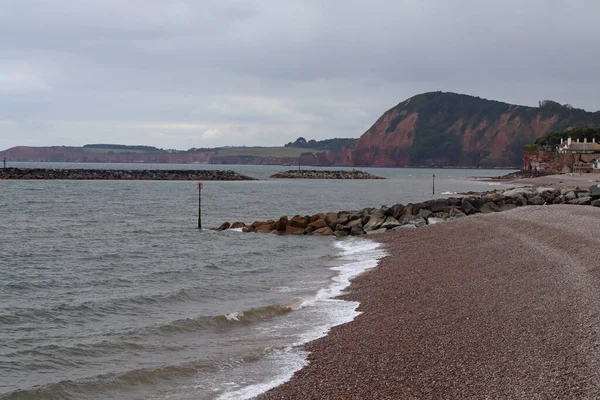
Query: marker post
[
  {"x": 433, "y": 191},
  {"x": 200, "y": 186}
]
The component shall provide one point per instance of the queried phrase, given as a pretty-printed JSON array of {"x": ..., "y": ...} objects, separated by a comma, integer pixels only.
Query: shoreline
[{"x": 519, "y": 325}]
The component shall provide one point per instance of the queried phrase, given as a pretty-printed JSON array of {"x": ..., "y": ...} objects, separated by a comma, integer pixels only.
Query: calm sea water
[{"x": 108, "y": 290}]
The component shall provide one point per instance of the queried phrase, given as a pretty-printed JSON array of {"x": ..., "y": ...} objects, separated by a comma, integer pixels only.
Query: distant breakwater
[
  {"x": 316, "y": 174},
  {"x": 398, "y": 216},
  {"x": 115, "y": 174}
]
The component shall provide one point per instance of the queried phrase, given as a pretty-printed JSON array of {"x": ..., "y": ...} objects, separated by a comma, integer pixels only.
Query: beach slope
[{"x": 503, "y": 305}]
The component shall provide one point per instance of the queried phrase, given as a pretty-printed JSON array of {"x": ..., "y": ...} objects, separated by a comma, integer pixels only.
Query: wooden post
[
  {"x": 200, "y": 205},
  {"x": 433, "y": 183}
]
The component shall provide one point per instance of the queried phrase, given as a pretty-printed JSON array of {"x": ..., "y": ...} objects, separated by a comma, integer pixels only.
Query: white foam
[
  {"x": 234, "y": 316},
  {"x": 448, "y": 193},
  {"x": 357, "y": 256},
  {"x": 290, "y": 361}
]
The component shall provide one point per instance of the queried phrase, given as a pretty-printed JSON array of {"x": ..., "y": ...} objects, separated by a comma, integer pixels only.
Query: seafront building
[{"x": 569, "y": 156}]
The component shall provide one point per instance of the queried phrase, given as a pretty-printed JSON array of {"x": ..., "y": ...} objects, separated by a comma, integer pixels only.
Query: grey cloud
[{"x": 265, "y": 71}]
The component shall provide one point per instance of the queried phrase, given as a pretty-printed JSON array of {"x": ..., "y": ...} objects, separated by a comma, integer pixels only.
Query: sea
[{"x": 108, "y": 289}]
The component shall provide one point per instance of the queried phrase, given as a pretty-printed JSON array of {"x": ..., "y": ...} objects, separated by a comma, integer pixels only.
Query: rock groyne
[
  {"x": 399, "y": 216},
  {"x": 316, "y": 174},
  {"x": 116, "y": 174}
]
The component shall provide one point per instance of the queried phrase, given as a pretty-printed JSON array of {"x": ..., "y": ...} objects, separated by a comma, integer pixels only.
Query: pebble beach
[{"x": 501, "y": 305}]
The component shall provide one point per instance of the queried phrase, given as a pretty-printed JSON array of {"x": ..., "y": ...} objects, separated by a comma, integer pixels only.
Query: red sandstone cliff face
[{"x": 448, "y": 129}]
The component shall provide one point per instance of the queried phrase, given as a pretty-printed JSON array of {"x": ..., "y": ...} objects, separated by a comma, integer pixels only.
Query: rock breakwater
[
  {"x": 315, "y": 174},
  {"x": 410, "y": 216},
  {"x": 110, "y": 174}
]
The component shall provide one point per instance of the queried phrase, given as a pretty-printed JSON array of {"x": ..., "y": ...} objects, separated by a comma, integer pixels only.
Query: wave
[
  {"x": 105, "y": 386},
  {"x": 356, "y": 255},
  {"x": 65, "y": 311},
  {"x": 252, "y": 315}
]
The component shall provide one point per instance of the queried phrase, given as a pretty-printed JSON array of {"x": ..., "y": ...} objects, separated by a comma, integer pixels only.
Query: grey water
[{"x": 108, "y": 290}]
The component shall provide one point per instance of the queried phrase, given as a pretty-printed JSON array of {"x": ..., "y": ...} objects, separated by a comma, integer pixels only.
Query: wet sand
[{"x": 503, "y": 305}]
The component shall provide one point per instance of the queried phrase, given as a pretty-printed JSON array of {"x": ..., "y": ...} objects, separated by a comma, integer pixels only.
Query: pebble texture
[{"x": 496, "y": 306}]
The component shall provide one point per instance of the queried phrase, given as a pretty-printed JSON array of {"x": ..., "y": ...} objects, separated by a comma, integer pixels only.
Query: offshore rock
[
  {"x": 116, "y": 174},
  {"x": 314, "y": 174}
]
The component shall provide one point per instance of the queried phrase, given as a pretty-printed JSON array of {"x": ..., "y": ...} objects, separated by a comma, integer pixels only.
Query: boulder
[
  {"x": 246, "y": 229},
  {"x": 408, "y": 210},
  {"x": 436, "y": 205},
  {"x": 331, "y": 219},
  {"x": 309, "y": 230},
  {"x": 412, "y": 219},
  {"x": 317, "y": 224},
  {"x": 417, "y": 207},
  {"x": 376, "y": 231},
  {"x": 506, "y": 207},
  {"x": 489, "y": 207},
  {"x": 373, "y": 223},
  {"x": 237, "y": 225},
  {"x": 378, "y": 213},
  {"x": 340, "y": 227},
  {"x": 570, "y": 195},
  {"x": 396, "y": 211},
  {"x": 477, "y": 201},
  {"x": 343, "y": 218},
  {"x": 356, "y": 231},
  {"x": 559, "y": 199},
  {"x": 298, "y": 222},
  {"x": 467, "y": 207},
  {"x": 514, "y": 193},
  {"x": 340, "y": 233},
  {"x": 282, "y": 223},
  {"x": 292, "y": 230},
  {"x": 454, "y": 201},
  {"x": 521, "y": 201},
  {"x": 390, "y": 223},
  {"x": 581, "y": 201},
  {"x": 326, "y": 231},
  {"x": 425, "y": 213},
  {"x": 456, "y": 213},
  {"x": 441, "y": 215},
  {"x": 595, "y": 203},
  {"x": 265, "y": 228},
  {"x": 537, "y": 201},
  {"x": 224, "y": 226},
  {"x": 595, "y": 191},
  {"x": 582, "y": 194},
  {"x": 434, "y": 220},
  {"x": 357, "y": 223},
  {"x": 406, "y": 226},
  {"x": 495, "y": 197},
  {"x": 256, "y": 224},
  {"x": 317, "y": 217}
]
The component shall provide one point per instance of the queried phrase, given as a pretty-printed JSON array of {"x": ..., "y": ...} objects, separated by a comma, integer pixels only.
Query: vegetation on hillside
[
  {"x": 335, "y": 144},
  {"x": 581, "y": 133},
  {"x": 436, "y": 143},
  {"x": 265, "y": 151},
  {"x": 121, "y": 148}
]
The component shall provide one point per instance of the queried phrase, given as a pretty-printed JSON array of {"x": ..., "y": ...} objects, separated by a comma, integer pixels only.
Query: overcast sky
[{"x": 203, "y": 73}]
